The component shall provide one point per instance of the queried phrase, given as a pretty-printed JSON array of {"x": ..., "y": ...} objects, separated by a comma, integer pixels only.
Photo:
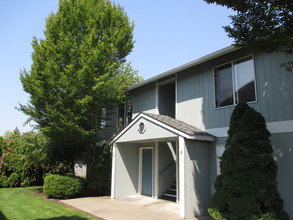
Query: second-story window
[
  {"x": 125, "y": 112},
  {"x": 235, "y": 82}
]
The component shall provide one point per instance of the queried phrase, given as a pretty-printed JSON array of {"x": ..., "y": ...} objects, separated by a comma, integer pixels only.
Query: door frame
[{"x": 140, "y": 170}]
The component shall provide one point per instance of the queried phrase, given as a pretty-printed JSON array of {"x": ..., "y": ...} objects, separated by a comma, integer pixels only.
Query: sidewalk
[{"x": 129, "y": 208}]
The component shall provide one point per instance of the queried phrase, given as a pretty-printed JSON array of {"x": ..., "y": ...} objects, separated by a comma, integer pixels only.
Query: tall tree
[
  {"x": 247, "y": 187},
  {"x": 79, "y": 74},
  {"x": 261, "y": 25}
]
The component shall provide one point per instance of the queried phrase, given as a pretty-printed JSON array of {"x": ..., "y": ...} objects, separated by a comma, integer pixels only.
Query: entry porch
[{"x": 161, "y": 157}]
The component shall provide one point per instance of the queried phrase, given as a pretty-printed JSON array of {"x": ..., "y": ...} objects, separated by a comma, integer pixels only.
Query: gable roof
[
  {"x": 175, "y": 126},
  {"x": 203, "y": 59}
]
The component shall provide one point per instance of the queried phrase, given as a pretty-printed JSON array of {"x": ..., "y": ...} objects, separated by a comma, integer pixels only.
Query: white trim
[
  {"x": 280, "y": 126},
  {"x": 114, "y": 151},
  {"x": 177, "y": 171},
  {"x": 172, "y": 150},
  {"x": 182, "y": 176},
  {"x": 274, "y": 127},
  {"x": 157, "y": 98},
  {"x": 163, "y": 125},
  {"x": 156, "y": 194}
]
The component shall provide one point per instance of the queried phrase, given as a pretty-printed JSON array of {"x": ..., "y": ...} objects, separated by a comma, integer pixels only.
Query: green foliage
[
  {"x": 13, "y": 180},
  {"x": 24, "y": 155},
  {"x": 78, "y": 72},
  {"x": 61, "y": 168},
  {"x": 57, "y": 186},
  {"x": 261, "y": 25},
  {"x": 98, "y": 179},
  {"x": 3, "y": 181},
  {"x": 246, "y": 187}
]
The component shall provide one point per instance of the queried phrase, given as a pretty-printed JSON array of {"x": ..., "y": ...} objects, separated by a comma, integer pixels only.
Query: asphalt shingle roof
[{"x": 179, "y": 125}]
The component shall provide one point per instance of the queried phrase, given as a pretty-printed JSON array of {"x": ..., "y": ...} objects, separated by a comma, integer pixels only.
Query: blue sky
[{"x": 167, "y": 34}]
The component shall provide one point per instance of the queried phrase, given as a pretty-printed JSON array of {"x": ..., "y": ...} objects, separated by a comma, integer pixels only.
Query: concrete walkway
[{"x": 129, "y": 208}]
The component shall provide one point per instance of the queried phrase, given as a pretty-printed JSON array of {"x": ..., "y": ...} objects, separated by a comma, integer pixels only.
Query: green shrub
[
  {"x": 13, "y": 180},
  {"x": 56, "y": 186},
  {"x": 3, "y": 181},
  {"x": 246, "y": 187}
]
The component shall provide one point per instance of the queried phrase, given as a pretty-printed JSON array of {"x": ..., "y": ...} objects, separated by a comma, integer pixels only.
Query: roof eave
[{"x": 203, "y": 59}]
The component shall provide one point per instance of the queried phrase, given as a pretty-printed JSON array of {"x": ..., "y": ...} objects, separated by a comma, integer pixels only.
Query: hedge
[{"x": 62, "y": 187}]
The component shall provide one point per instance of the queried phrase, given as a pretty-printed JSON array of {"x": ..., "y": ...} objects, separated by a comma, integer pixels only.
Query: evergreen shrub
[
  {"x": 62, "y": 187},
  {"x": 247, "y": 187}
]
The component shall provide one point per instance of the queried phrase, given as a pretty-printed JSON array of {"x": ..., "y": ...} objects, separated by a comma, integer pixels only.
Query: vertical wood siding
[
  {"x": 273, "y": 84},
  {"x": 144, "y": 98}
]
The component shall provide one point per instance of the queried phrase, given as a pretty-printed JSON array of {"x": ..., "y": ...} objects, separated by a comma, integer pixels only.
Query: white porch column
[
  {"x": 156, "y": 170},
  {"x": 114, "y": 150},
  {"x": 182, "y": 176},
  {"x": 177, "y": 172}
]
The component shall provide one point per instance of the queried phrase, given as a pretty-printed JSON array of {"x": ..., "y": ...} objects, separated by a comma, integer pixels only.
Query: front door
[{"x": 147, "y": 174}]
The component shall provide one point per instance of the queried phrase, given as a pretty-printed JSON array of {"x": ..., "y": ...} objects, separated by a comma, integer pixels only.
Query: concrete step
[
  {"x": 169, "y": 197},
  {"x": 171, "y": 191}
]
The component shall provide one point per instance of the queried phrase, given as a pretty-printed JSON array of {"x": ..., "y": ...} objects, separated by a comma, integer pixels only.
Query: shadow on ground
[
  {"x": 63, "y": 218},
  {"x": 2, "y": 217}
]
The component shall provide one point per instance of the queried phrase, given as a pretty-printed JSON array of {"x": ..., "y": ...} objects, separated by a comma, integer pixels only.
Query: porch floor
[{"x": 128, "y": 208}]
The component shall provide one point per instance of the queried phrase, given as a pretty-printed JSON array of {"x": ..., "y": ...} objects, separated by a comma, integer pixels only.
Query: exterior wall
[
  {"x": 126, "y": 170},
  {"x": 197, "y": 178},
  {"x": 195, "y": 97},
  {"x": 283, "y": 154},
  {"x": 144, "y": 99}
]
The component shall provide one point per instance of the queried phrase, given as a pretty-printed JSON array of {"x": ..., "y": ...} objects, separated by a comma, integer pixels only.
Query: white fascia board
[
  {"x": 203, "y": 59},
  {"x": 163, "y": 125},
  {"x": 125, "y": 129}
]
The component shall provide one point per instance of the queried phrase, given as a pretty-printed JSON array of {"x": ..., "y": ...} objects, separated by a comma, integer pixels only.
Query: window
[
  {"x": 235, "y": 82},
  {"x": 125, "y": 112}
]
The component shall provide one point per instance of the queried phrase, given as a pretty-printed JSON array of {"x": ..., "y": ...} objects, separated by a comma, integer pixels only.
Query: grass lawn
[{"x": 23, "y": 204}]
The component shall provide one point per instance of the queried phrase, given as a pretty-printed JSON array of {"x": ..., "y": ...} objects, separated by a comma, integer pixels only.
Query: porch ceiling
[{"x": 147, "y": 126}]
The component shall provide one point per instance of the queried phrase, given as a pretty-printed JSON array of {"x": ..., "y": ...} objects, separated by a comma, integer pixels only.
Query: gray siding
[
  {"x": 195, "y": 97},
  {"x": 197, "y": 178},
  {"x": 144, "y": 98},
  {"x": 126, "y": 179},
  {"x": 283, "y": 154}
]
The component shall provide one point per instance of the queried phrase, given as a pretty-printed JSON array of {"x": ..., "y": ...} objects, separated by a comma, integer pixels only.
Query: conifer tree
[{"x": 247, "y": 187}]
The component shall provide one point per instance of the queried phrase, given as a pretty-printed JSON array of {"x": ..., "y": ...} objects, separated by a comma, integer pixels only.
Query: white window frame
[{"x": 232, "y": 63}]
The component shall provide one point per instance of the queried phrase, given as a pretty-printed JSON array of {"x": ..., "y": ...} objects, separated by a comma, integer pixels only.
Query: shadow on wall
[
  {"x": 130, "y": 154},
  {"x": 198, "y": 182},
  {"x": 283, "y": 154}
]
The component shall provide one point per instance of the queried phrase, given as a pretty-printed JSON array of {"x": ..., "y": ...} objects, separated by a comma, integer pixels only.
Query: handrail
[{"x": 167, "y": 167}]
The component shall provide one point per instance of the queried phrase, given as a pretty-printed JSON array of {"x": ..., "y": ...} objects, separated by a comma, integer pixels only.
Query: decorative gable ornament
[{"x": 141, "y": 128}]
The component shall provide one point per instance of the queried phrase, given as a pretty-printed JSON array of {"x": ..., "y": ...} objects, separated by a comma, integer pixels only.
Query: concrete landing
[{"x": 128, "y": 208}]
